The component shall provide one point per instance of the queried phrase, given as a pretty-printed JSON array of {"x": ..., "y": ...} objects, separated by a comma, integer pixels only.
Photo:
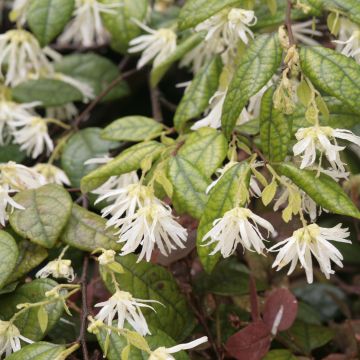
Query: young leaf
[
  {"x": 325, "y": 191},
  {"x": 9, "y": 254},
  {"x": 350, "y": 8},
  {"x": 38, "y": 351},
  {"x": 86, "y": 144},
  {"x": 148, "y": 281},
  {"x": 129, "y": 160},
  {"x": 87, "y": 231},
  {"x": 257, "y": 66},
  {"x": 49, "y": 92},
  {"x": 197, "y": 95},
  {"x": 189, "y": 187},
  {"x": 132, "y": 128},
  {"x": 47, "y": 18},
  {"x": 333, "y": 73},
  {"x": 274, "y": 129},
  {"x": 281, "y": 354},
  {"x": 120, "y": 24},
  {"x": 27, "y": 322},
  {"x": 47, "y": 210},
  {"x": 206, "y": 150},
  {"x": 222, "y": 198},
  {"x": 95, "y": 70},
  {"x": 43, "y": 318}
]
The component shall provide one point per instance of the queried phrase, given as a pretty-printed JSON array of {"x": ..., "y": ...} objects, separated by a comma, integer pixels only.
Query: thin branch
[
  {"x": 91, "y": 106},
  {"x": 84, "y": 311},
  {"x": 155, "y": 102},
  {"x": 288, "y": 23},
  {"x": 169, "y": 105}
]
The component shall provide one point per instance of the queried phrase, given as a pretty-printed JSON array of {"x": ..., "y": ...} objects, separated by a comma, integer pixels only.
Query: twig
[
  {"x": 288, "y": 23},
  {"x": 84, "y": 311},
  {"x": 91, "y": 106},
  {"x": 155, "y": 102},
  {"x": 172, "y": 107},
  {"x": 253, "y": 299}
]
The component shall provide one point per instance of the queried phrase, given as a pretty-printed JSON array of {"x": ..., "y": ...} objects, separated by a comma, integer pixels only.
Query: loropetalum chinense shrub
[{"x": 179, "y": 179}]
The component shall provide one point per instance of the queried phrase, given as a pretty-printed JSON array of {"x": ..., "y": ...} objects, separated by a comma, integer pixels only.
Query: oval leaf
[
  {"x": 9, "y": 254},
  {"x": 333, "y": 73},
  {"x": 325, "y": 191},
  {"x": 47, "y": 210},
  {"x": 257, "y": 66},
  {"x": 132, "y": 128},
  {"x": 38, "y": 351},
  {"x": 87, "y": 231}
]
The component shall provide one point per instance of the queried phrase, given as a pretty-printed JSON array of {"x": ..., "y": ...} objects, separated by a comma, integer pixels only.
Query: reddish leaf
[
  {"x": 250, "y": 343},
  {"x": 280, "y": 310}
]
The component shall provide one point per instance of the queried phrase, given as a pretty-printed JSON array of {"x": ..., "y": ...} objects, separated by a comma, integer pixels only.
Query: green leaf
[
  {"x": 118, "y": 343},
  {"x": 257, "y": 66},
  {"x": 87, "y": 231},
  {"x": 9, "y": 254},
  {"x": 27, "y": 322},
  {"x": 149, "y": 281},
  {"x": 206, "y": 149},
  {"x": 189, "y": 187},
  {"x": 197, "y": 95},
  {"x": 325, "y": 191},
  {"x": 196, "y": 11},
  {"x": 129, "y": 160},
  {"x": 38, "y": 351},
  {"x": 280, "y": 354},
  {"x": 43, "y": 318},
  {"x": 11, "y": 152},
  {"x": 304, "y": 338},
  {"x": 275, "y": 132},
  {"x": 222, "y": 198},
  {"x": 86, "y": 144},
  {"x": 30, "y": 256},
  {"x": 351, "y": 8},
  {"x": 47, "y": 210},
  {"x": 184, "y": 47},
  {"x": 47, "y": 18},
  {"x": 95, "y": 70},
  {"x": 49, "y": 92},
  {"x": 120, "y": 22},
  {"x": 132, "y": 128},
  {"x": 333, "y": 73}
]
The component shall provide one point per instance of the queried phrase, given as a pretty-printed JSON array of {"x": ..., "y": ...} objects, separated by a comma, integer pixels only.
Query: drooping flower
[
  {"x": 235, "y": 228},
  {"x": 52, "y": 174},
  {"x": 22, "y": 54},
  {"x": 7, "y": 203},
  {"x": 86, "y": 28},
  {"x": 66, "y": 112},
  {"x": 163, "y": 353},
  {"x": 32, "y": 136},
  {"x": 126, "y": 308},
  {"x": 10, "y": 338},
  {"x": 311, "y": 240},
  {"x": 107, "y": 257},
  {"x": 151, "y": 225},
  {"x": 349, "y": 39},
  {"x": 157, "y": 45},
  {"x": 304, "y": 32},
  {"x": 59, "y": 268},
  {"x": 322, "y": 138}
]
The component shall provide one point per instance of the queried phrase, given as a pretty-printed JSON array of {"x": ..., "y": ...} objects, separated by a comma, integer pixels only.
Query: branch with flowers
[{"x": 179, "y": 179}]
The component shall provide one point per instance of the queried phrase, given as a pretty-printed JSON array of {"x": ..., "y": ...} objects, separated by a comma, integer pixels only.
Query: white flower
[
  {"x": 19, "y": 11},
  {"x": 213, "y": 118},
  {"x": 107, "y": 257},
  {"x": 221, "y": 172},
  {"x": 163, "y": 353},
  {"x": 10, "y": 338},
  {"x": 304, "y": 32},
  {"x": 235, "y": 228},
  {"x": 307, "y": 241},
  {"x": 349, "y": 39},
  {"x": 20, "y": 50},
  {"x": 6, "y": 201},
  {"x": 20, "y": 177},
  {"x": 52, "y": 174},
  {"x": 33, "y": 136},
  {"x": 59, "y": 268},
  {"x": 11, "y": 111},
  {"x": 319, "y": 138},
  {"x": 151, "y": 225},
  {"x": 157, "y": 45},
  {"x": 126, "y": 308},
  {"x": 87, "y": 28}
]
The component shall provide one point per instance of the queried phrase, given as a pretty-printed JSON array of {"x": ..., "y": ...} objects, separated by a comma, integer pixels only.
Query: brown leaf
[
  {"x": 280, "y": 310},
  {"x": 250, "y": 343}
]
